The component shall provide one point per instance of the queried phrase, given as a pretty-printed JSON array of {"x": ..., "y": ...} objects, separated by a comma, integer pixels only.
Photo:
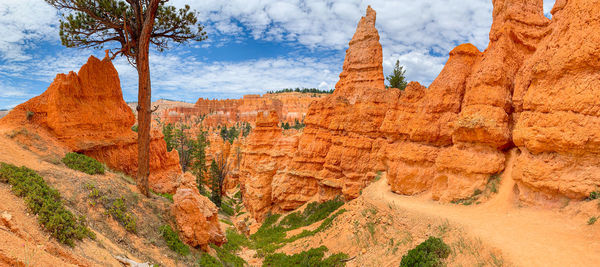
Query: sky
[{"x": 253, "y": 46}]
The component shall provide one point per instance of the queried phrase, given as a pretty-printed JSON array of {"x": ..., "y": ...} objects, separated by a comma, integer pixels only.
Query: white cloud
[
  {"x": 408, "y": 29},
  {"x": 418, "y": 33},
  {"x": 22, "y": 24}
]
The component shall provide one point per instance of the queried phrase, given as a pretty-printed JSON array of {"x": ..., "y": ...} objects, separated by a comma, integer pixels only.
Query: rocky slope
[
  {"x": 73, "y": 109},
  {"x": 71, "y": 116},
  {"x": 533, "y": 88}
]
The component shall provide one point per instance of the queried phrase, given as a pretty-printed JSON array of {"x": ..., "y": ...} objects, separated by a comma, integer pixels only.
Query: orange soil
[{"x": 523, "y": 236}]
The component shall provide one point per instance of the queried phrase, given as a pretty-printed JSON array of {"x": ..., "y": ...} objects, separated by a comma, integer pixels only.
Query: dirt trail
[{"x": 526, "y": 236}]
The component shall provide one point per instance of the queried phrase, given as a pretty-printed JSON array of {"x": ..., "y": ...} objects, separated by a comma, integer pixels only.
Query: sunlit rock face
[
  {"x": 86, "y": 112},
  {"x": 196, "y": 216},
  {"x": 290, "y": 107}
]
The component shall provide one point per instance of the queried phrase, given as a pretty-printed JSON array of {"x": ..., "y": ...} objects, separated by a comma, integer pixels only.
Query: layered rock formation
[
  {"x": 196, "y": 216},
  {"x": 556, "y": 108},
  {"x": 534, "y": 88},
  {"x": 289, "y": 107},
  {"x": 74, "y": 110},
  {"x": 263, "y": 160}
]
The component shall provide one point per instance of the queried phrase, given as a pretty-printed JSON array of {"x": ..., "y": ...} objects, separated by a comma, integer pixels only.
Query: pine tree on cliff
[
  {"x": 133, "y": 25},
  {"x": 397, "y": 79},
  {"x": 198, "y": 155},
  {"x": 218, "y": 171}
]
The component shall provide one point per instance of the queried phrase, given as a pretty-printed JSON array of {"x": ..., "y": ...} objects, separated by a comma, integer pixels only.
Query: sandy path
[{"x": 526, "y": 236}]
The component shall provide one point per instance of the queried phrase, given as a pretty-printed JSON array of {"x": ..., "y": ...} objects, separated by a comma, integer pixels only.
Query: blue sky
[{"x": 253, "y": 45}]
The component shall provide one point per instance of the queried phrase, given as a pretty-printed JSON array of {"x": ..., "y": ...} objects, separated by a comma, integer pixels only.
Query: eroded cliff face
[
  {"x": 263, "y": 160},
  {"x": 196, "y": 216},
  {"x": 533, "y": 89},
  {"x": 73, "y": 109},
  {"x": 557, "y": 112},
  {"x": 289, "y": 107}
]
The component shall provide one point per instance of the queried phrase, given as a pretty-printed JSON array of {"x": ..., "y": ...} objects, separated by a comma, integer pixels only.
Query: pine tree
[
  {"x": 133, "y": 25},
  {"x": 198, "y": 158},
  {"x": 182, "y": 145},
  {"x": 169, "y": 136},
  {"x": 397, "y": 79},
  {"x": 218, "y": 172}
]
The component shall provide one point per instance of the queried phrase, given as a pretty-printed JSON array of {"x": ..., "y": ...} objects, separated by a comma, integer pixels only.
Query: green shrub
[
  {"x": 324, "y": 225},
  {"x": 429, "y": 253},
  {"x": 594, "y": 195},
  {"x": 118, "y": 211},
  {"x": 83, "y": 163},
  {"x": 238, "y": 195},
  {"x": 235, "y": 240},
  {"x": 313, "y": 212},
  {"x": 227, "y": 257},
  {"x": 378, "y": 176},
  {"x": 46, "y": 202},
  {"x": 228, "y": 210},
  {"x": 312, "y": 257},
  {"x": 270, "y": 237},
  {"x": 592, "y": 220},
  {"x": 165, "y": 195},
  {"x": 493, "y": 183},
  {"x": 173, "y": 241},
  {"x": 206, "y": 260}
]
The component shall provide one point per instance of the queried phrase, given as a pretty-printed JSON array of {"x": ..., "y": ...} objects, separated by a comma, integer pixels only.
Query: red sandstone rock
[
  {"x": 558, "y": 116},
  {"x": 74, "y": 110},
  {"x": 263, "y": 161},
  {"x": 197, "y": 219},
  {"x": 451, "y": 137},
  {"x": 289, "y": 107}
]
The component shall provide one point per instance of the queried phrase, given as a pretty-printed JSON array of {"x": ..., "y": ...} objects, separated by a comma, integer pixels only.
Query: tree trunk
[
  {"x": 144, "y": 98},
  {"x": 144, "y": 120}
]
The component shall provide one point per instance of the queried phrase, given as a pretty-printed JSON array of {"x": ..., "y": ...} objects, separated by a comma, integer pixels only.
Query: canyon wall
[
  {"x": 264, "y": 158},
  {"x": 289, "y": 106},
  {"x": 534, "y": 89},
  {"x": 557, "y": 111},
  {"x": 74, "y": 110}
]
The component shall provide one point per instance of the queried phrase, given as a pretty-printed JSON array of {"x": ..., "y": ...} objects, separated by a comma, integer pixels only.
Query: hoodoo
[
  {"x": 74, "y": 110},
  {"x": 529, "y": 90}
]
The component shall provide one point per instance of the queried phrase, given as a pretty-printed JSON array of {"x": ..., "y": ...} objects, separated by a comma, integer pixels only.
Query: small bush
[
  {"x": 313, "y": 212},
  {"x": 235, "y": 240},
  {"x": 83, "y": 163},
  {"x": 206, "y": 260},
  {"x": 227, "y": 257},
  {"x": 592, "y": 220},
  {"x": 173, "y": 241},
  {"x": 493, "y": 183},
  {"x": 594, "y": 195},
  {"x": 324, "y": 225},
  {"x": 29, "y": 115},
  {"x": 429, "y": 253},
  {"x": 238, "y": 195},
  {"x": 227, "y": 209},
  {"x": 165, "y": 195},
  {"x": 46, "y": 202},
  {"x": 312, "y": 257},
  {"x": 378, "y": 176},
  {"x": 118, "y": 211}
]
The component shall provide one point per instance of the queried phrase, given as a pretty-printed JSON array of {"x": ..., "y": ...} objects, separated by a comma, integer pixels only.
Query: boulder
[{"x": 197, "y": 219}]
